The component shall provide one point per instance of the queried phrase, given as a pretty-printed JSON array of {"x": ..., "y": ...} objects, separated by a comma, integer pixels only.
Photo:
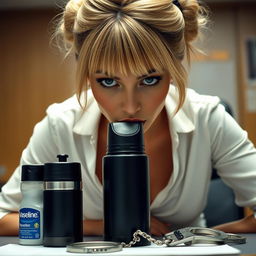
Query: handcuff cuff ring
[{"x": 94, "y": 247}]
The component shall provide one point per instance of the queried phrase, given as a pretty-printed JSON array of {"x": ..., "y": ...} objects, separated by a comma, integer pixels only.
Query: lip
[{"x": 132, "y": 120}]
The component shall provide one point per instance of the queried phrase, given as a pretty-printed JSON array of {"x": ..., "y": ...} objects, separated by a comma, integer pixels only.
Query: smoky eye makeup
[
  {"x": 106, "y": 82},
  {"x": 145, "y": 80},
  {"x": 151, "y": 80}
]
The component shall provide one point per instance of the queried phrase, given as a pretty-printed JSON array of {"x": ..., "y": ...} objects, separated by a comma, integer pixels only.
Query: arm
[
  {"x": 95, "y": 227},
  {"x": 40, "y": 150},
  {"x": 245, "y": 225},
  {"x": 9, "y": 224},
  {"x": 234, "y": 156}
]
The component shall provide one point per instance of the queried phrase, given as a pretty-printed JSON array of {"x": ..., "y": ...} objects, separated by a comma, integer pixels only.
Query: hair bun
[
  {"x": 194, "y": 17},
  {"x": 69, "y": 18}
]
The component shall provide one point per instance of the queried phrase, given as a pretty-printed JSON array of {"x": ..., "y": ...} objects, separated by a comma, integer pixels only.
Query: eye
[
  {"x": 151, "y": 80},
  {"x": 107, "y": 82}
]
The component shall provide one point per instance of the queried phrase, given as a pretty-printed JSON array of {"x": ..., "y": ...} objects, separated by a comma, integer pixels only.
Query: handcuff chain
[{"x": 136, "y": 239}]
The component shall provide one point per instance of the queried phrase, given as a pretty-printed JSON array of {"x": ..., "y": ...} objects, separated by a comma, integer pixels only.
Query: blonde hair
[{"x": 130, "y": 36}]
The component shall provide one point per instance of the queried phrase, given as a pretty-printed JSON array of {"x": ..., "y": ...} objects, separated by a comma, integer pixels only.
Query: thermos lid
[
  {"x": 125, "y": 137},
  {"x": 32, "y": 172},
  {"x": 62, "y": 170}
]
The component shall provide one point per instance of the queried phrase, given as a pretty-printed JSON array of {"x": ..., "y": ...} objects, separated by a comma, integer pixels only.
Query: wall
[
  {"x": 247, "y": 88},
  {"x": 32, "y": 76},
  {"x": 215, "y": 73},
  {"x": 223, "y": 70}
]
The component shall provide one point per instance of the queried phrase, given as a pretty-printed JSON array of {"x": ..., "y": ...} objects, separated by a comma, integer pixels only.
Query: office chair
[{"x": 221, "y": 207}]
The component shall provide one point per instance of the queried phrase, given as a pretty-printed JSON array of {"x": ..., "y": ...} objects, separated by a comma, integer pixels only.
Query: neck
[{"x": 157, "y": 127}]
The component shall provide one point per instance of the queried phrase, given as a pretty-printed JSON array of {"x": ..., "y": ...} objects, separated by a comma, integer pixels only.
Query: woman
[{"x": 129, "y": 67}]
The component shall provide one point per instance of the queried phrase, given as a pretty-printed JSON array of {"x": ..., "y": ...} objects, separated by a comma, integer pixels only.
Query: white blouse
[{"x": 203, "y": 135}]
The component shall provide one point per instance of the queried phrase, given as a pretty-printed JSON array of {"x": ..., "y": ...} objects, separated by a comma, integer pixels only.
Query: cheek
[
  {"x": 157, "y": 100},
  {"x": 103, "y": 99},
  {"x": 99, "y": 97}
]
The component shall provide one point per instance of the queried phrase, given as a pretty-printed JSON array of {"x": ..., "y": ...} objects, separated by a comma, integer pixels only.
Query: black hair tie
[{"x": 177, "y": 3}]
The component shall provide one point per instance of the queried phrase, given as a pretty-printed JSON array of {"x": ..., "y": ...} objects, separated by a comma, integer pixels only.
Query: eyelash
[{"x": 100, "y": 81}]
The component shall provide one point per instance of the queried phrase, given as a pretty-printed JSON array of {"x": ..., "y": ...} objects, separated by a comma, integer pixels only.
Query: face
[{"x": 131, "y": 98}]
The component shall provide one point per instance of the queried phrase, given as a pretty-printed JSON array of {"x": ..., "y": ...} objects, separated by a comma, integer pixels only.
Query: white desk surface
[{"x": 21, "y": 250}]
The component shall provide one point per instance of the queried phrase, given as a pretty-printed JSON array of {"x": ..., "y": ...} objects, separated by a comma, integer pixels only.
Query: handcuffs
[
  {"x": 198, "y": 235},
  {"x": 184, "y": 236}
]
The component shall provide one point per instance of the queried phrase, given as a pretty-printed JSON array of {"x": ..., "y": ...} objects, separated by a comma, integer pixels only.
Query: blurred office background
[{"x": 34, "y": 75}]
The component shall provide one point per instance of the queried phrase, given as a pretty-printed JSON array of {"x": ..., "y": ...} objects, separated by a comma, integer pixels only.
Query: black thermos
[
  {"x": 126, "y": 183},
  {"x": 63, "y": 210}
]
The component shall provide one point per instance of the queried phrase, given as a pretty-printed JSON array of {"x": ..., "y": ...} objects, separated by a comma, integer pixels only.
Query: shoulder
[
  {"x": 210, "y": 116},
  {"x": 199, "y": 103},
  {"x": 194, "y": 103},
  {"x": 196, "y": 111},
  {"x": 69, "y": 111},
  {"x": 202, "y": 108},
  {"x": 66, "y": 108},
  {"x": 207, "y": 112}
]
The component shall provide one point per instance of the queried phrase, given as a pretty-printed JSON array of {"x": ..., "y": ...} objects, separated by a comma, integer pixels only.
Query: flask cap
[
  {"x": 125, "y": 138},
  {"x": 32, "y": 172},
  {"x": 62, "y": 170}
]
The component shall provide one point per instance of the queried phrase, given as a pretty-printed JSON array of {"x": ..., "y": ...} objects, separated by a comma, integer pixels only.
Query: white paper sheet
[{"x": 152, "y": 250}]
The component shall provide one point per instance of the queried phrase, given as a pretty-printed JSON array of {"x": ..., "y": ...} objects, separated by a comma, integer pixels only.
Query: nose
[{"x": 131, "y": 104}]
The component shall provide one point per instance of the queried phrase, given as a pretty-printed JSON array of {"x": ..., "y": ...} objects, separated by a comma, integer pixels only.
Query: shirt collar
[
  {"x": 181, "y": 122},
  {"x": 88, "y": 122}
]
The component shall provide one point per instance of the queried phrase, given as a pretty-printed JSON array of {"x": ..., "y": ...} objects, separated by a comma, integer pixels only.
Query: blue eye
[
  {"x": 151, "y": 80},
  {"x": 107, "y": 82}
]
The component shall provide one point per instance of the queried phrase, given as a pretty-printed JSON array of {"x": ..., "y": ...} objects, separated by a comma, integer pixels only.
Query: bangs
[{"x": 123, "y": 46}]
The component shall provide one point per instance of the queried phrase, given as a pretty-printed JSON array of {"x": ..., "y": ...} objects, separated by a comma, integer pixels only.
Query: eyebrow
[{"x": 139, "y": 77}]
